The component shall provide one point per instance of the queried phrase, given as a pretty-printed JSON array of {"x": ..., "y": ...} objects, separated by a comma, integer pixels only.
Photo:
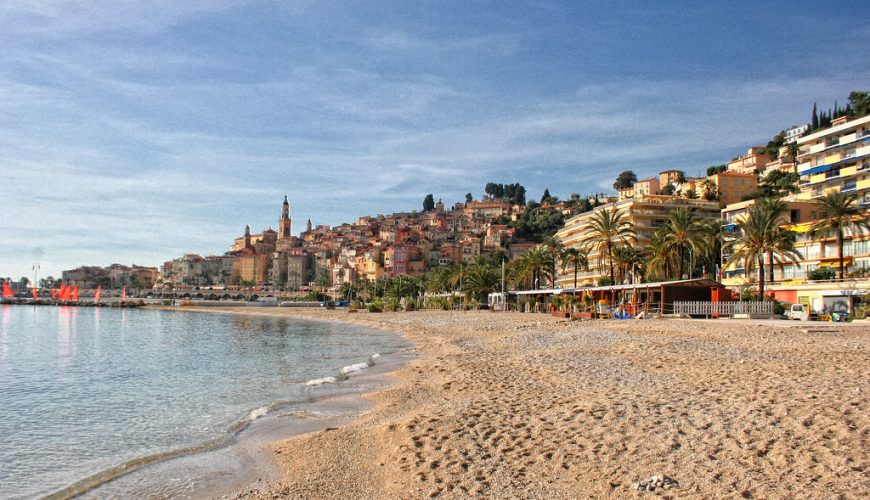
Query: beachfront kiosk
[{"x": 628, "y": 300}]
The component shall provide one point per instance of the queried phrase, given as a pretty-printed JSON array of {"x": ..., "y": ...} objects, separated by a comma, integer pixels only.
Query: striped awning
[{"x": 817, "y": 170}]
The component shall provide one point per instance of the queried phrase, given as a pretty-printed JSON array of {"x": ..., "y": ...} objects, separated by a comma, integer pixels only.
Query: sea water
[{"x": 85, "y": 390}]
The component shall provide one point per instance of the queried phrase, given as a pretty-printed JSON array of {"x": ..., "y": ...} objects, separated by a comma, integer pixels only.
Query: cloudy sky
[{"x": 136, "y": 131}]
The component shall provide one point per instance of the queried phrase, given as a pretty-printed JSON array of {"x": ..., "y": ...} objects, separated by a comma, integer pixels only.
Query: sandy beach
[{"x": 520, "y": 405}]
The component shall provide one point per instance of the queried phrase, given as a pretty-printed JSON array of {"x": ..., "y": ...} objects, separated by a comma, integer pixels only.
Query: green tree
[
  {"x": 669, "y": 189},
  {"x": 533, "y": 266},
  {"x": 841, "y": 214},
  {"x": 628, "y": 261},
  {"x": 625, "y": 180},
  {"x": 428, "y": 203},
  {"x": 758, "y": 235},
  {"x": 607, "y": 229},
  {"x": 716, "y": 169},
  {"x": 682, "y": 238},
  {"x": 576, "y": 258},
  {"x": 468, "y": 198},
  {"x": 859, "y": 103},
  {"x": 554, "y": 249},
  {"x": 479, "y": 281},
  {"x": 710, "y": 190}
]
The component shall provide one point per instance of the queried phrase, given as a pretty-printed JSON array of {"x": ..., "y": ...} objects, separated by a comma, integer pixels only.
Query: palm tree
[
  {"x": 607, "y": 229},
  {"x": 841, "y": 214},
  {"x": 628, "y": 261},
  {"x": 710, "y": 189},
  {"x": 683, "y": 238},
  {"x": 711, "y": 234},
  {"x": 780, "y": 239},
  {"x": 533, "y": 266},
  {"x": 751, "y": 243},
  {"x": 660, "y": 258},
  {"x": 554, "y": 249},
  {"x": 480, "y": 281},
  {"x": 758, "y": 236},
  {"x": 576, "y": 258}
]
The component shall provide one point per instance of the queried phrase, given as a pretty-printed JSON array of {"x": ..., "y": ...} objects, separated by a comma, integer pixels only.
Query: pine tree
[
  {"x": 546, "y": 197},
  {"x": 815, "y": 118}
]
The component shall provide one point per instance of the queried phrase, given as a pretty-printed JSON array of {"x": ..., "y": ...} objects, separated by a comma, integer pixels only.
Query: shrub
[
  {"x": 605, "y": 281},
  {"x": 822, "y": 273},
  {"x": 778, "y": 308},
  {"x": 410, "y": 306},
  {"x": 375, "y": 306}
]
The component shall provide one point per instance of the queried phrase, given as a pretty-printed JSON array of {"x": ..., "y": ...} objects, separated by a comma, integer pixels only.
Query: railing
[{"x": 707, "y": 308}]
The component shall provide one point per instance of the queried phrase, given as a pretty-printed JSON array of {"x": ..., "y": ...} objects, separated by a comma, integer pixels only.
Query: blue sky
[{"x": 136, "y": 131}]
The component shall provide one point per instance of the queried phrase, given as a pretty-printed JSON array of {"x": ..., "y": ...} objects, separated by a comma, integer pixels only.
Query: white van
[{"x": 799, "y": 312}]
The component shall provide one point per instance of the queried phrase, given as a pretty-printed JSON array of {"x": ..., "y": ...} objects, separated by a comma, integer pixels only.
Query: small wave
[
  {"x": 354, "y": 368},
  {"x": 259, "y": 412},
  {"x": 320, "y": 381}
]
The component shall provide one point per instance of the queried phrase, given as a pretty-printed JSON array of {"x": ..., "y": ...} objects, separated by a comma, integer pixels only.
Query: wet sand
[{"x": 520, "y": 405}]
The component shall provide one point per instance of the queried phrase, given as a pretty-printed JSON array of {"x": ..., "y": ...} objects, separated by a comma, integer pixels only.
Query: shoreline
[
  {"x": 520, "y": 405},
  {"x": 242, "y": 455}
]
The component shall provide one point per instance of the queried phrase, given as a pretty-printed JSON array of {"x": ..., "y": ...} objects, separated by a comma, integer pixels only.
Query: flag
[
  {"x": 75, "y": 293},
  {"x": 124, "y": 294},
  {"x": 35, "y": 293},
  {"x": 7, "y": 292},
  {"x": 97, "y": 295}
]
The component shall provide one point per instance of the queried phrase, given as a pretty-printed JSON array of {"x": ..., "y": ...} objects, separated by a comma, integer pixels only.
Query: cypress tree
[{"x": 815, "y": 118}]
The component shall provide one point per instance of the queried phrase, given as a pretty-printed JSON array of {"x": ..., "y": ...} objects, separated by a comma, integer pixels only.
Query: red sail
[
  {"x": 64, "y": 292},
  {"x": 54, "y": 294},
  {"x": 97, "y": 295},
  {"x": 124, "y": 294},
  {"x": 75, "y": 293},
  {"x": 35, "y": 294},
  {"x": 7, "y": 292}
]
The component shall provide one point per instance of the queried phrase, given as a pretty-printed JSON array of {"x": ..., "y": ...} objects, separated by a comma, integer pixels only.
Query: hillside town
[{"x": 555, "y": 244}]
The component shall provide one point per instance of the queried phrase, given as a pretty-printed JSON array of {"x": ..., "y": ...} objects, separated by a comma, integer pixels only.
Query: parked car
[{"x": 800, "y": 312}]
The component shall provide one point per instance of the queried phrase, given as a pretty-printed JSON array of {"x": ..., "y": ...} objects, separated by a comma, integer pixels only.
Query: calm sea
[{"x": 83, "y": 390}]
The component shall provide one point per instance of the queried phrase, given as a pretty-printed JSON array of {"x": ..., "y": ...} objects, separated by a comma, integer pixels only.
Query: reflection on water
[{"x": 83, "y": 390}]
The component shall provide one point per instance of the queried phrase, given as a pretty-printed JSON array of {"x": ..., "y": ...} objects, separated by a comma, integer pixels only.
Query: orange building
[
  {"x": 752, "y": 162},
  {"x": 733, "y": 186}
]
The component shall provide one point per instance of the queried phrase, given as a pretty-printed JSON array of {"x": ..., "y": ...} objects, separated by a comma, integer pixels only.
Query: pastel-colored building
[
  {"x": 733, "y": 186},
  {"x": 836, "y": 159},
  {"x": 752, "y": 162},
  {"x": 645, "y": 214}
]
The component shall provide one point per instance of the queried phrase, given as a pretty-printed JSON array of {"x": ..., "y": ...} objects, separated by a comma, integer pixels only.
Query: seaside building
[
  {"x": 836, "y": 159},
  {"x": 670, "y": 177},
  {"x": 641, "y": 188},
  {"x": 113, "y": 276},
  {"x": 798, "y": 214},
  {"x": 733, "y": 186},
  {"x": 794, "y": 133},
  {"x": 646, "y": 215},
  {"x": 750, "y": 163}
]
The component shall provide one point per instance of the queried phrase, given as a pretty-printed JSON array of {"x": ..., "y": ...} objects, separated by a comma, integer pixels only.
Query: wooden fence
[{"x": 706, "y": 308}]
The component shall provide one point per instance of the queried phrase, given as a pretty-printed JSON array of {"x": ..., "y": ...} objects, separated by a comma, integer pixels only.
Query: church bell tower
[{"x": 285, "y": 225}]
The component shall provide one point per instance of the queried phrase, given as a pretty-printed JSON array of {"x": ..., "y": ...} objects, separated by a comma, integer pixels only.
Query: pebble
[{"x": 656, "y": 483}]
